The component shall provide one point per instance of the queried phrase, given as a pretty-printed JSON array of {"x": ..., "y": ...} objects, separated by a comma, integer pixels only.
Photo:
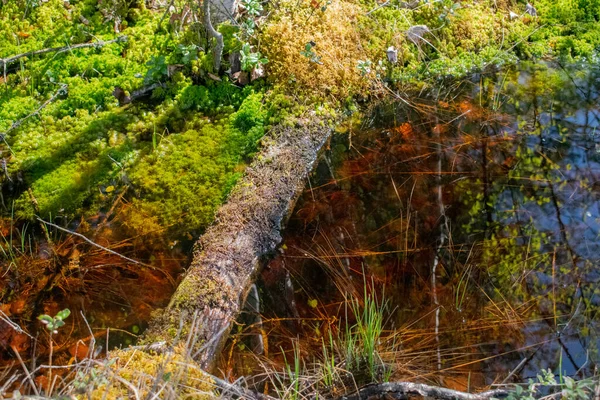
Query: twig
[
  {"x": 9, "y": 60},
  {"x": 16, "y": 124},
  {"x": 400, "y": 390},
  {"x": 79, "y": 235},
  {"x": 378, "y": 7},
  {"x": 27, "y": 374},
  {"x": 7, "y": 320}
]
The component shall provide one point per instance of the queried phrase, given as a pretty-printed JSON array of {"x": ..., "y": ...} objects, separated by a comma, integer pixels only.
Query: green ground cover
[{"x": 179, "y": 150}]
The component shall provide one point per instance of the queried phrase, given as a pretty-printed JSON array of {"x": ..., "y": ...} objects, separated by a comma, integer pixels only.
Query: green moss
[{"x": 179, "y": 156}]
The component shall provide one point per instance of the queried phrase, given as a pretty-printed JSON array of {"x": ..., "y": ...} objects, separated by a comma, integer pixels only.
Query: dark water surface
[{"x": 476, "y": 207}]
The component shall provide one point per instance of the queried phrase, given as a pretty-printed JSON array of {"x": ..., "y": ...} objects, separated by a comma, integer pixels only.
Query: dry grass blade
[{"x": 416, "y": 33}]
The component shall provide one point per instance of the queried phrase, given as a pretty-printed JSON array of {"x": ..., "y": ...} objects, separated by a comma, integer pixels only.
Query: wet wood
[
  {"x": 228, "y": 257},
  {"x": 405, "y": 390}
]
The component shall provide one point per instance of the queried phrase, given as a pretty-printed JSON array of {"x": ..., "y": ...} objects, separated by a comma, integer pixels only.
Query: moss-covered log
[{"x": 248, "y": 227}]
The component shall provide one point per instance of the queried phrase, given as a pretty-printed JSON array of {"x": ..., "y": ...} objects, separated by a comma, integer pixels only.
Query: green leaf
[
  {"x": 46, "y": 319},
  {"x": 63, "y": 314}
]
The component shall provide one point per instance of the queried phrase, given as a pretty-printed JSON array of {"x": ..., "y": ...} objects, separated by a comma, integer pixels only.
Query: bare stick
[
  {"x": 20, "y": 122},
  {"x": 27, "y": 374},
  {"x": 9, "y": 60},
  {"x": 399, "y": 390},
  {"x": 7, "y": 320},
  {"x": 79, "y": 235}
]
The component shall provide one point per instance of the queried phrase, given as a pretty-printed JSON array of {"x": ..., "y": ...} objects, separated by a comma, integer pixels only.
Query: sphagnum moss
[{"x": 149, "y": 372}]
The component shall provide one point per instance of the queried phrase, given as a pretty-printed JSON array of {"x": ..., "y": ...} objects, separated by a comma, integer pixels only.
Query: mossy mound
[
  {"x": 140, "y": 373},
  {"x": 330, "y": 73}
]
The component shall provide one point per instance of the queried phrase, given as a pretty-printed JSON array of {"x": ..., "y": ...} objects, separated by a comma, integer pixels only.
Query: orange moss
[{"x": 337, "y": 47}]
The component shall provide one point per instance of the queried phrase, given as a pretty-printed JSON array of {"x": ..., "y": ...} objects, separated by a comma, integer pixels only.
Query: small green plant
[
  {"x": 368, "y": 329},
  {"x": 365, "y": 67},
  {"x": 188, "y": 53},
  {"x": 251, "y": 60},
  {"x": 288, "y": 385},
  {"x": 248, "y": 26},
  {"x": 252, "y": 7},
  {"x": 569, "y": 388},
  {"x": 328, "y": 365},
  {"x": 309, "y": 53},
  {"x": 86, "y": 382},
  {"x": 157, "y": 69},
  {"x": 53, "y": 323}
]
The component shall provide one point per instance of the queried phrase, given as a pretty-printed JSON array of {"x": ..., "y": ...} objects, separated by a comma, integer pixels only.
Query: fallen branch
[
  {"x": 16, "y": 124},
  {"x": 79, "y": 235},
  {"x": 9, "y": 60},
  {"x": 401, "y": 390}
]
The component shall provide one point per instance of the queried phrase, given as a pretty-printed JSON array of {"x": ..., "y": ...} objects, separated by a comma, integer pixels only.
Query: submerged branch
[
  {"x": 401, "y": 390},
  {"x": 79, "y": 235}
]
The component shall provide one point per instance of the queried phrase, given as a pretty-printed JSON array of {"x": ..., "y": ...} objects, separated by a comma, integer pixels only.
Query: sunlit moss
[{"x": 134, "y": 371}]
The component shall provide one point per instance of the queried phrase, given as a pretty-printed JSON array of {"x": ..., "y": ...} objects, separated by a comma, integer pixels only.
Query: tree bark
[
  {"x": 228, "y": 257},
  {"x": 218, "y": 50}
]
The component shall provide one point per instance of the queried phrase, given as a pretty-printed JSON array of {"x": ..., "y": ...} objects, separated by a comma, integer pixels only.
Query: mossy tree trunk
[{"x": 228, "y": 257}]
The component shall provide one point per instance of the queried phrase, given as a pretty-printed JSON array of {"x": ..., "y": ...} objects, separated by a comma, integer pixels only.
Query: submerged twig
[
  {"x": 79, "y": 235},
  {"x": 399, "y": 390}
]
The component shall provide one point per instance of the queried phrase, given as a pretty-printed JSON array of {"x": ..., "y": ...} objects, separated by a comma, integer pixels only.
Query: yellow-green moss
[{"x": 148, "y": 372}]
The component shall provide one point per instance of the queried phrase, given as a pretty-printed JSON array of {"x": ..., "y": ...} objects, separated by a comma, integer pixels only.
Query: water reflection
[{"x": 495, "y": 183}]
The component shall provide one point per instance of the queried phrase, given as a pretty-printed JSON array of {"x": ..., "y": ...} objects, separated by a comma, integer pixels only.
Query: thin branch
[
  {"x": 16, "y": 124},
  {"x": 9, "y": 60},
  {"x": 79, "y": 235},
  {"x": 27, "y": 374},
  {"x": 399, "y": 390}
]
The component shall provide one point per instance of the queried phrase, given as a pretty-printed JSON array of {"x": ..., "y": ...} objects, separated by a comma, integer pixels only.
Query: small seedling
[
  {"x": 253, "y": 7},
  {"x": 365, "y": 67},
  {"x": 53, "y": 323},
  {"x": 309, "y": 53},
  {"x": 251, "y": 60}
]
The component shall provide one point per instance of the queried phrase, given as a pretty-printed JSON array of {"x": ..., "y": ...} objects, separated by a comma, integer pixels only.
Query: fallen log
[{"x": 228, "y": 257}]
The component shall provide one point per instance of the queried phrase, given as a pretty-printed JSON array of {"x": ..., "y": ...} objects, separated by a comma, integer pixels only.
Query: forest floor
[{"x": 115, "y": 125}]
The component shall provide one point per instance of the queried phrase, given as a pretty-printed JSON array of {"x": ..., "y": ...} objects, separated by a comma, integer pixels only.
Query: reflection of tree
[
  {"x": 541, "y": 248},
  {"x": 512, "y": 271}
]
